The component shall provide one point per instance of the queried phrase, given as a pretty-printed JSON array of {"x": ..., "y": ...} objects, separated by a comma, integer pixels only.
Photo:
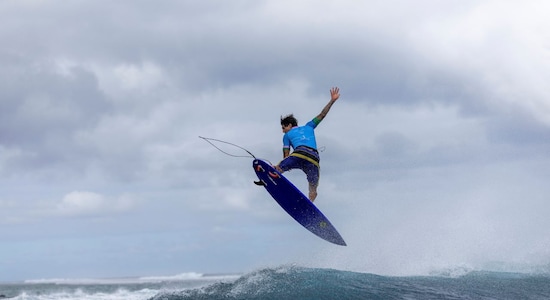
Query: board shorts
[{"x": 306, "y": 159}]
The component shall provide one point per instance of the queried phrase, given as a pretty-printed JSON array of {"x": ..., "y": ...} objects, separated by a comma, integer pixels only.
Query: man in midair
[{"x": 302, "y": 140}]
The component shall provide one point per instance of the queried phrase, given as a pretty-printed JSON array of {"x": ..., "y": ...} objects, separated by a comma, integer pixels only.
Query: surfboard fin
[{"x": 259, "y": 182}]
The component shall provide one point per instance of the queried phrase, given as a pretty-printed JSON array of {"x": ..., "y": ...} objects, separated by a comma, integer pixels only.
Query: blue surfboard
[{"x": 295, "y": 203}]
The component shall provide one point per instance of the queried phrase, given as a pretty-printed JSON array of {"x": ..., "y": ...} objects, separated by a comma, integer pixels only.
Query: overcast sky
[{"x": 435, "y": 157}]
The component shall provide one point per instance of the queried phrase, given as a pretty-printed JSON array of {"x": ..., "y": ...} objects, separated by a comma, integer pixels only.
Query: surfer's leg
[
  {"x": 289, "y": 163},
  {"x": 312, "y": 173}
]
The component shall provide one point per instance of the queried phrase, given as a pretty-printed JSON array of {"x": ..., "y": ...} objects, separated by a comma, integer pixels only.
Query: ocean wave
[
  {"x": 284, "y": 282},
  {"x": 293, "y": 282}
]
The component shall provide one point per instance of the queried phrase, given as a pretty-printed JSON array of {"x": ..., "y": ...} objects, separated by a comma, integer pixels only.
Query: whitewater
[{"x": 288, "y": 282}]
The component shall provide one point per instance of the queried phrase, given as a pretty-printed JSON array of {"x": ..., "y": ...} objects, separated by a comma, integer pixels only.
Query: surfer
[{"x": 302, "y": 140}]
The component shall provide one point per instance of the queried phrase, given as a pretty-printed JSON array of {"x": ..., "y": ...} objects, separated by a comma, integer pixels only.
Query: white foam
[{"x": 78, "y": 294}]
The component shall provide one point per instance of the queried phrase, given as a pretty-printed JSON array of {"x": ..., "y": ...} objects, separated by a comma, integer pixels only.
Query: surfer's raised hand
[{"x": 334, "y": 94}]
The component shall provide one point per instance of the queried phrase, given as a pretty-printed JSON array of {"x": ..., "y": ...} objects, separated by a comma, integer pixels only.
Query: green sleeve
[{"x": 316, "y": 121}]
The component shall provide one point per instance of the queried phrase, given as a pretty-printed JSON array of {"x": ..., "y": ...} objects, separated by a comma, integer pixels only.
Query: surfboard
[{"x": 295, "y": 203}]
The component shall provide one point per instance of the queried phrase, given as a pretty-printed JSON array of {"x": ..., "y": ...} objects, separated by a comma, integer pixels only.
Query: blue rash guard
[
  {"x": 301, "y": 136},
  {"x": 305, "y": 155}
]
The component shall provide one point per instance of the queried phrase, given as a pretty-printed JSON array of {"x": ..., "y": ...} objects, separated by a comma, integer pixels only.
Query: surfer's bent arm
[
  {"x": 286, "y": 152},
  {"x": 334, "y": 95},
  {"x": 286, "y": 146}
]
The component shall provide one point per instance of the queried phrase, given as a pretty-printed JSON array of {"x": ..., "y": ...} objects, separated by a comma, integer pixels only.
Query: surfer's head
[{"x": 287, "y": 122}]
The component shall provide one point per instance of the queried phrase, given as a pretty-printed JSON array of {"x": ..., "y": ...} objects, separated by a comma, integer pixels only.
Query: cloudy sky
[{"x": 436, "y": 157}]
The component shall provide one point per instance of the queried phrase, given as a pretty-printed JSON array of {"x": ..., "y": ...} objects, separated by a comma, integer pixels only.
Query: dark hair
[{"x": 289, "y": 119}]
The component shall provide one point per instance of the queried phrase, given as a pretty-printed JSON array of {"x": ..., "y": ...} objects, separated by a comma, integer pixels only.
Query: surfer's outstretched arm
[{"x": 334, "y": 95}]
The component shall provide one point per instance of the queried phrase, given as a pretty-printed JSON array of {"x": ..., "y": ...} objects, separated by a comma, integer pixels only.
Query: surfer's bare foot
[
  {"x": 312, "y": 192},
  {"x": 312, "y": 195}
]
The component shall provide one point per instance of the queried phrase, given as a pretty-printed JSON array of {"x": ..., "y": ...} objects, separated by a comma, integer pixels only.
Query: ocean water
[{"x": 289, "y": 282}]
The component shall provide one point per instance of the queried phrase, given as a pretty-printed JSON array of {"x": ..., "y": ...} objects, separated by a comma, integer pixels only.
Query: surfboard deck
[{"x": 295, "y": 203}]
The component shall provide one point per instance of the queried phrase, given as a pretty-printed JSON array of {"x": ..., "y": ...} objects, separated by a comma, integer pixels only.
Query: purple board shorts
[{"x": 305, "y": 159}]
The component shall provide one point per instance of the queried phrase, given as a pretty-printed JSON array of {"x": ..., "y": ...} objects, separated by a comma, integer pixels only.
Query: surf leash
[{"x": 211, "y": 142}]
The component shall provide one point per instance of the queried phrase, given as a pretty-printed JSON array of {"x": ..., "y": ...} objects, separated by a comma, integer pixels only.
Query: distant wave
[
  {"x": 130, "y": 280},
  {"x": 74, "y": 281},
  {"x": 188, "y": 276},
  {"x": 182, "y": 276}
]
